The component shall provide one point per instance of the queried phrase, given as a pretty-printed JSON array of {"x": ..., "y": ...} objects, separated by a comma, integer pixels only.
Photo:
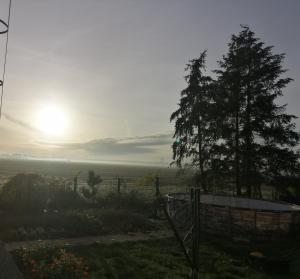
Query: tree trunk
[
  {"x": 201, "y": 161},
  {"x": 237, "y": 156},
  {"x": 248, "y": 133}
]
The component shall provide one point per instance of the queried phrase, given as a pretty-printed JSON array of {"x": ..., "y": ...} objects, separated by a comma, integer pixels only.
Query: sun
[{"x": 52, "y": 120}]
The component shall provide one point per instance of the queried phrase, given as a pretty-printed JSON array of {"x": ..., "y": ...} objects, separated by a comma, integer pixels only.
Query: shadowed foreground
[{"x": 8, "y": 269}]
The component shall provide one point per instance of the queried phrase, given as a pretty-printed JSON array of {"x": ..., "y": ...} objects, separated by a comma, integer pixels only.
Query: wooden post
[
  {"x": 157, "y": 192},
  {"x": 192, "y": 196},
  {"x": 119, "y": 192},
  {"x": 192, "y": 193},
  {"x": 119, "y": 186},
  {"x": 229, "y": 220},
  {"x": 75, "y": 183}
]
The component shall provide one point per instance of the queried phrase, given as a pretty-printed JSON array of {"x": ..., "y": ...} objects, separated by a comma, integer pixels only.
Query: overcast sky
[{"x": 115, "y": 69}]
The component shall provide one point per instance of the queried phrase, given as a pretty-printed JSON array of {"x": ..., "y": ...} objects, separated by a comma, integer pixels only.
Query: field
[{"x": 139, "y": 178}]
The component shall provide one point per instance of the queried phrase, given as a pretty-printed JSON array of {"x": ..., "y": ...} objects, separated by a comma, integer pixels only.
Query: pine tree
[
  {"x": 194, "y": 129},
  {"x": 257, "y": 131}
]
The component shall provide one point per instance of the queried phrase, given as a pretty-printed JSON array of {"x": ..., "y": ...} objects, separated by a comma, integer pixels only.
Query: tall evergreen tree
[
  {"x": 258, "y": 133},
  {"x": 194, "y": 129}
]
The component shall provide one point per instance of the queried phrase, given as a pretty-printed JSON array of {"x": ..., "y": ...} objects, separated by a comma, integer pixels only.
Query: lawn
[{"x": 163, "y": 259}]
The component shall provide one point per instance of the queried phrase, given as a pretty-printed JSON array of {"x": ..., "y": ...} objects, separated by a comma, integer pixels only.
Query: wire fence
[{"x": 148, "y": 186}]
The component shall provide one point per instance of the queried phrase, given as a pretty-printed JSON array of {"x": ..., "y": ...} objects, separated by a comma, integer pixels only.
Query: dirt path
[{"x": 88, "y": 240}]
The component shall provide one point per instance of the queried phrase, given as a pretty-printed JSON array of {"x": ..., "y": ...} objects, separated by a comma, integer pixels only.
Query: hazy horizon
[{"x": 98, "y": 80}]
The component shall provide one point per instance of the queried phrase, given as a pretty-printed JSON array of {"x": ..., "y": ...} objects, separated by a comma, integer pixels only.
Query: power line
[{"x": 5, "y": 56}]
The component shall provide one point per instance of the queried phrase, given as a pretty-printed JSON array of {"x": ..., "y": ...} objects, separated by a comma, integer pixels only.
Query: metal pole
[{"x": 196, "y": 233}]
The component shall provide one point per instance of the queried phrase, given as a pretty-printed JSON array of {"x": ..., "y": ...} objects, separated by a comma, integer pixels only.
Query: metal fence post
[
  {"x": 196, "y": 232},
  {"x": 157, "y": 192}
]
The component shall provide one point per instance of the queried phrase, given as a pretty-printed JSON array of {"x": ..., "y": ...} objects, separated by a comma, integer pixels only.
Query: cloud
[
  {"x": 120, "y": 146},
  {"x": 19, "y": 122}
]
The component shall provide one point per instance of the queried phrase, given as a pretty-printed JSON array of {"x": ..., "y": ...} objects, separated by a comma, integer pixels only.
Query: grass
[{"x": 163, "y": 259}]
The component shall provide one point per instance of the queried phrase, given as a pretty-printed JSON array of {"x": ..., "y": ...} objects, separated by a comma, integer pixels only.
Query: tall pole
[
  {"x": 195, "y": 196},
  {"x": 5, "y": 31}
]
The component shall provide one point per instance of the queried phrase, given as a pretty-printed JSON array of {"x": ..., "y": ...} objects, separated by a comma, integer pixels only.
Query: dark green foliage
[
  {"x": 258, "y": 134},
  {"x": 132, "y": 201},
  {"x": 93, "y": 180},
  {"x": 288, "y": 187},
  {"x": 194, "y": 124},
  {"x": 27, "y": 218},
  {"x": 233, "y": 129},
  {"x": 124, "y": 221},
  {"x": 32, "y": 192}
]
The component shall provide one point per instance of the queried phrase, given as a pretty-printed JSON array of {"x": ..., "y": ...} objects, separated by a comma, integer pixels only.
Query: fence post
[
  {"x": 157, "y": 192},
  {"x": 192, "y": 194},
  {"x": 119, "y": 186},
  {"x": 119, "y": 192},
  {"x": 75, "y": 184},
  {"x": 196, "y": 231}
]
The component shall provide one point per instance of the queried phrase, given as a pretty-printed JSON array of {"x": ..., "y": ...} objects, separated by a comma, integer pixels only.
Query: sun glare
[{"x": 52, "y": 120}]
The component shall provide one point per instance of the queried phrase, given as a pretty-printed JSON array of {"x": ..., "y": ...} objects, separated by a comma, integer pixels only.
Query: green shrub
[
  {"x": 82, "y": 222},
  {"x": 91, "y": 192},
  {"x": 132, "y": 200},
  {"x": 32, "y": 192},
  {"x": 115, "y": 221}
]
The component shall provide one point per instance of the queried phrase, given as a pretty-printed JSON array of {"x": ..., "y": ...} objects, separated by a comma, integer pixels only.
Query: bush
[
  {"x": 32, "y": 192},
  {"x": 82, "y": 223},
  {"x": 133, "y": 201},
  {"x": 47, "y": 263},
  {"x": 117, "y": 221}
]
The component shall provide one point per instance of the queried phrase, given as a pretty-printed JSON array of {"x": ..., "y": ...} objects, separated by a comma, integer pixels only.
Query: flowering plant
[{"x": 59, "y": 265}]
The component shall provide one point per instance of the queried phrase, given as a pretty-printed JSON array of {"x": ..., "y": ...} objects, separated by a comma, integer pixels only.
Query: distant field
[
  {"x": 69, "y": 169},
  {"x": 132, "y": 177},
  {"x": 137, "y": 178}
]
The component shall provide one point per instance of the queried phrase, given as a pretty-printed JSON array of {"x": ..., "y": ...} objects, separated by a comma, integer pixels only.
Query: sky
[{"x": 98, "y": 79}]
